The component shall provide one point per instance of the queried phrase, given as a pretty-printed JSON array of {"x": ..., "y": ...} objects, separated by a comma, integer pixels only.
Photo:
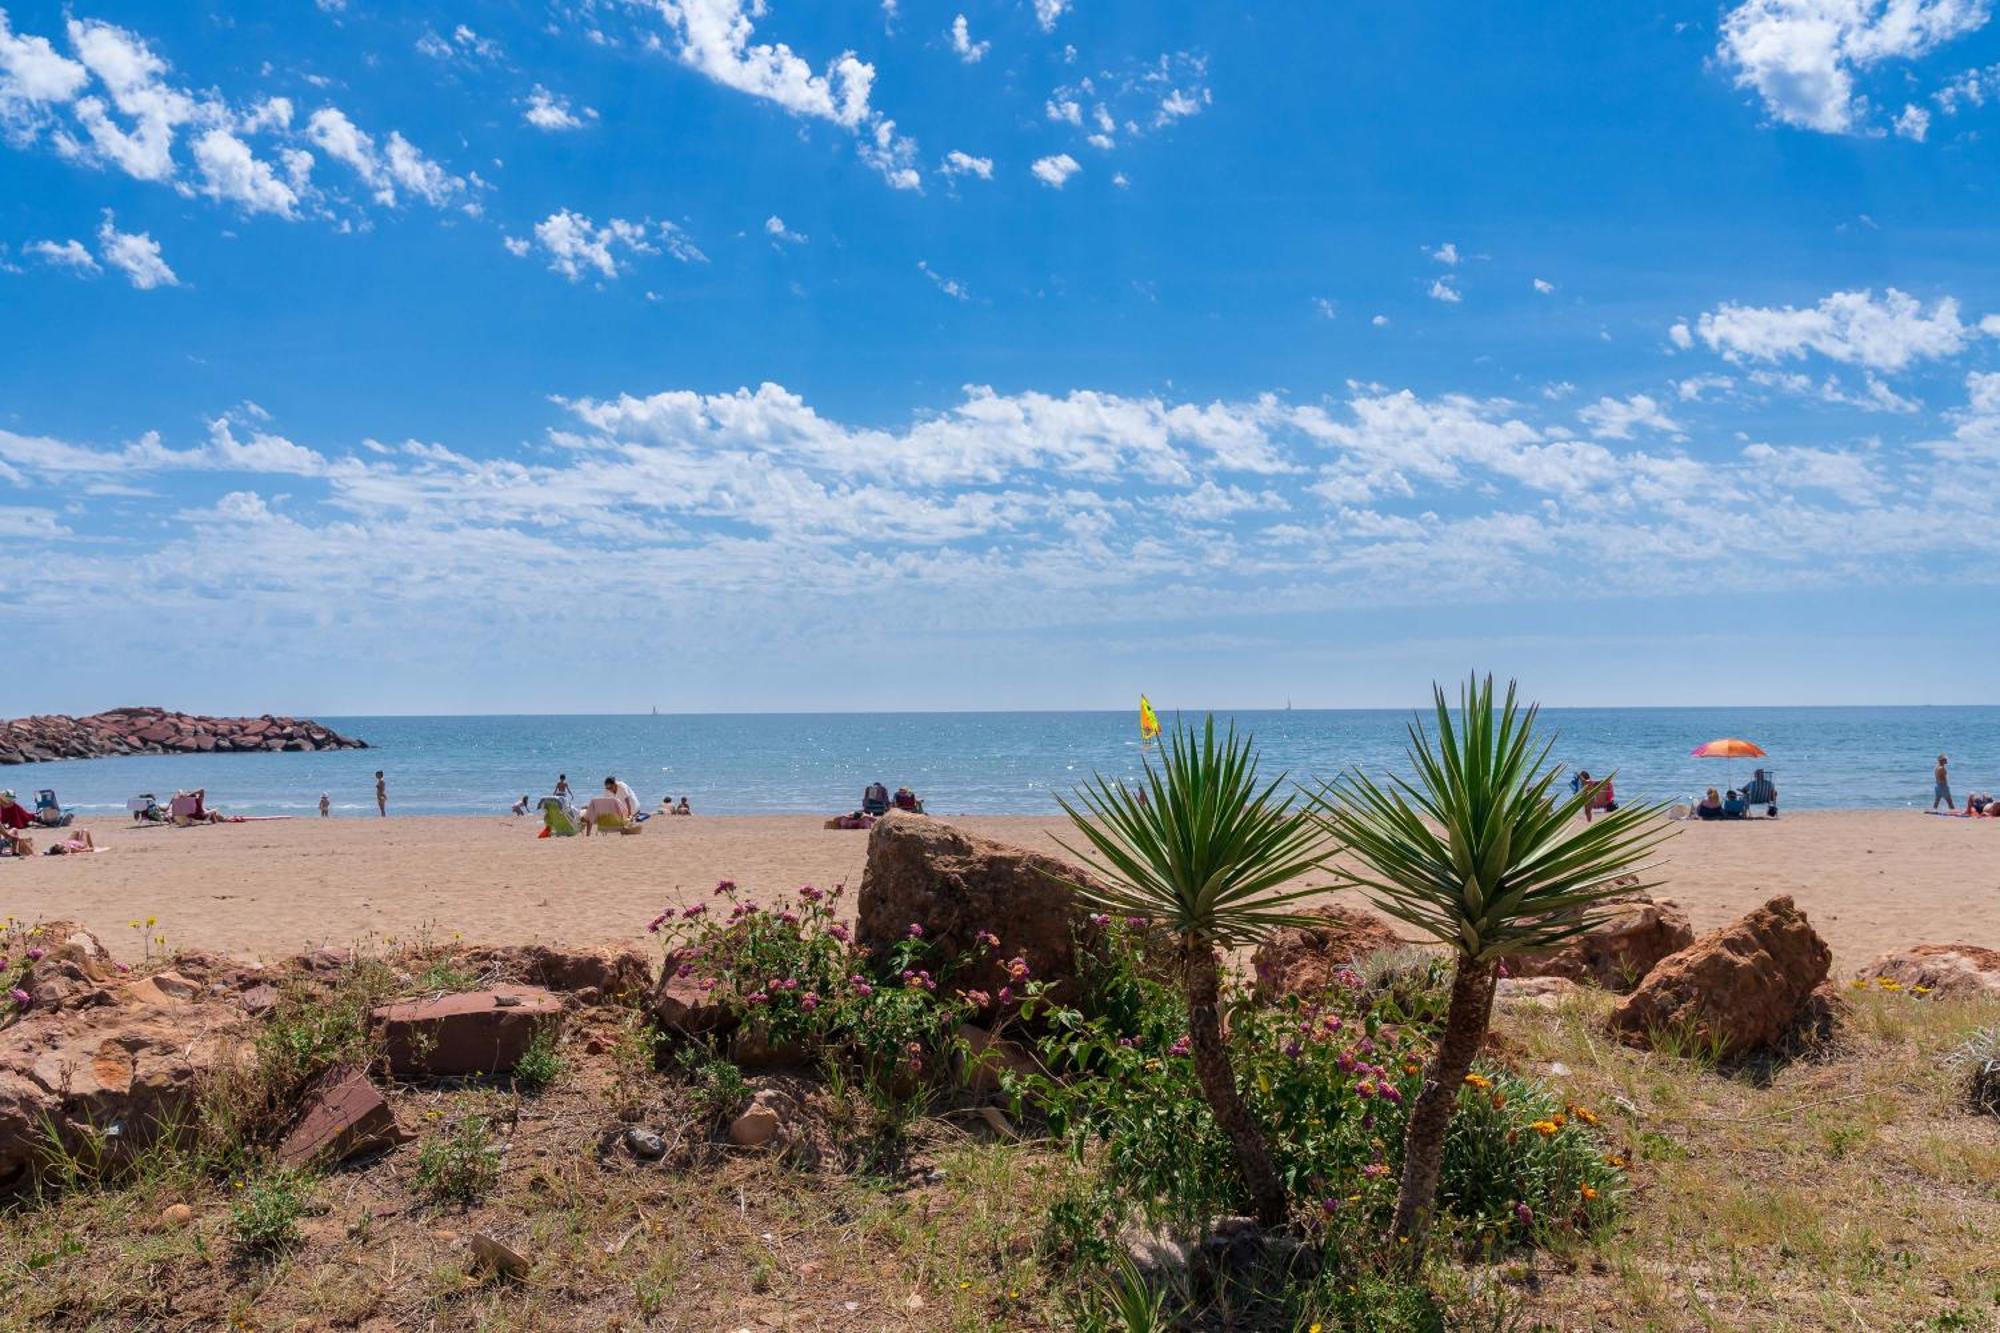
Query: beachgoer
[
  {"x": 1760, "y": 790},
  {"x": 682, "y": 808},
  {"x": 1941, "y": 793},
  {"x": 381, "y": 794},
  {"x": 875, "y": 799},
  {"x": 521, "y": 806},
  {"x": 1734, "y": 806},
  {"x": 78, "y": 841},
  {"x": 626, "y": 796},
  {"x": 562, "y": 787},
  {"x": 1977, "y": 802},
  {"x": 15, "y": 844},
  {"x": 325, "y": 806},
  {"x": 202, "y": 814},
  {"x": 1710, "y": 807},
  {"x": 13, "y": 815}
]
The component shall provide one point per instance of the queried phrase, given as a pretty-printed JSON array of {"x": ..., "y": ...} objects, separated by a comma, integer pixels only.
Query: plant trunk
[
  {"x": 1218, "y": 1084},
  {"x": 1423, "y": 1146}
]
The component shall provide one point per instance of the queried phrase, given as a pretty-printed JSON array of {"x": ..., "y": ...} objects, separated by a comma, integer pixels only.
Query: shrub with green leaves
[
  {"x": 541, "y": 1064},
  {"x": 461, "y": 1164},
  {"x": 264, "y": 1216}
]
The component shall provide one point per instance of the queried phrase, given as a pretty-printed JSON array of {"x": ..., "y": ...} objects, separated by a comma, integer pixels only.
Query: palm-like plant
[
  {"x": 1206, "y": 852},
  {"x": 1475, "y": 852}
]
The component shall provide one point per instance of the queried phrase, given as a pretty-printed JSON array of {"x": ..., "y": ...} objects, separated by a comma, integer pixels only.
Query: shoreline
[{"x": 1871, "y": 880}]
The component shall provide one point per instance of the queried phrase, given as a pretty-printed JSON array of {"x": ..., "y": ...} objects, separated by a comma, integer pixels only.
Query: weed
[
  {"x": 539, "y": 1065},
  {"x": 460, "y": 1165},
  {"x": 264, "y": 1217}
]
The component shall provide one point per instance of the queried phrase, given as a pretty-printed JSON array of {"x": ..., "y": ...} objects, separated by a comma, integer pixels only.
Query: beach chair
[
  {"x": 557, "y": 821},
  {"x": 48, "y": 811}
]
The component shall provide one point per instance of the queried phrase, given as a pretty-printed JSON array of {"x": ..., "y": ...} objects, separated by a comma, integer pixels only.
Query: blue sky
[{"x": 727, "y": 355}]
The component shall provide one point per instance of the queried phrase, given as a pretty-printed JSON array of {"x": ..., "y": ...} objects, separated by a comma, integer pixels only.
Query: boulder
[
  {"x": 1744, "y": 988},
  {"x": 1619, "y": 950},
  {"x": 476, "y": 1032},
  {"x": 67, "y": 967},
  {"x": 344, "y": 1115},
  {"x": 1534, "y": 992},
  {"x": 770, "y": 1119},
  {"x": 594, "y": 976},
  {"x": 1302, "y": 960},
  {"x": 684, "y": 1004},
  {"x": 117, "y": 1073},
  {"x": 1944, "y": 970},
  {"x": 954, "y": 886}
]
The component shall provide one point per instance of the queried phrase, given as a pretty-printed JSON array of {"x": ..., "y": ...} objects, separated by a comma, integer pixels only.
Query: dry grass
[{"x": 1846, "y": 1191}]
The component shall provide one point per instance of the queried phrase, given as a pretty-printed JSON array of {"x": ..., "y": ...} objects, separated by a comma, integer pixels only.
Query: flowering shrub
[
  {"x": 791, "y": 977},
  {"x": 1331, "y": 1081}
]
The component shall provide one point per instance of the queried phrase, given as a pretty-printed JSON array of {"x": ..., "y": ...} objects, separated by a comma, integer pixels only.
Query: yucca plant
[
  {"x": 1475, "y": 852},
  {"x": 1206, "y": 852}
]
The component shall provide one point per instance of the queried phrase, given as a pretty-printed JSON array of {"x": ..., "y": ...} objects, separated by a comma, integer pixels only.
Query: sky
[{"x": 751, "y": 355}]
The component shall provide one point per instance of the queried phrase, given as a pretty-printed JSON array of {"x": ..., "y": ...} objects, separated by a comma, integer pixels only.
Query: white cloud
[
  {"x": 715, "y": 38},
  {"x": 135, "y": 254},
  {"x": 1325, "y": 308},
  {"x": 63, "y": 254},
  {"x": 463, "y": 43},
  {"x": 957, "y": 163},
  {"x": 1064, "y": 111},
  {"x": 969, "y": 51},
  {"x": 1617, "y": 418},
  {"x": 398, "y": 165},
  {"x": 951, "y": 287},
  {"x": 547, "y": 111},
  {"x": 1692, "y": 388},
  {"x": 1544, "y": 286},
  {"x": 1973, "y": 87},
  {"x": 775, "y": 228},
  {"x": 1048, "y": 11},
  {"x": 1850, "y": 327},
  {"x": 232, "y": 173},
  {"x": 892, "y": 155},
  {"x": 1801, "y": 56},
  {"x": 1913, "y": 123},
  {"x": 1442, "y": 290},
  {"x": 1445, "y": 254},
  {"x": 1055, "y": 170},
  {"x": 33, "y": 78},
  {"x": 1380, "y": 321},
  {"x": 130, "y": 73},
  {"x": 577, "y": 247},
  {"x": 1681, "y": 336}
]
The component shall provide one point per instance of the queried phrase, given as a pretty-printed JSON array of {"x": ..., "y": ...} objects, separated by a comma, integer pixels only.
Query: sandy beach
[{"x": 1870, "y": 880}]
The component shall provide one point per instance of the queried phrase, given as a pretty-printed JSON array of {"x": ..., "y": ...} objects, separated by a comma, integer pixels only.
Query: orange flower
[
  {"x": 1479, "y": 1081},
  {"x": 1588, "y": 1194},
  {"x": 1545, "y": 1127}
]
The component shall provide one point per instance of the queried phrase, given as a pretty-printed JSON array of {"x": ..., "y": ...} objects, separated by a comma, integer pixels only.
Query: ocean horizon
[{"x": 1822, "y": 757}]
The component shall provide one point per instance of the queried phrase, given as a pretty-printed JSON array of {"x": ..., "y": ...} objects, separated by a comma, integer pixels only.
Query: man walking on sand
[
  {"x": 381, "y": 794},
  {"x": 1942, "y": 792}
]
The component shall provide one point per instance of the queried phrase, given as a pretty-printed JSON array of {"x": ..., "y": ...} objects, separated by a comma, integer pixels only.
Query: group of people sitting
[
  {"x": 1981, "y": 805},
  {"x": 1735, "y": 804},
  {"x": 614, "y": 810},
  {"x": 875, "y": 800},
  {"x": 16, "y": 819}
]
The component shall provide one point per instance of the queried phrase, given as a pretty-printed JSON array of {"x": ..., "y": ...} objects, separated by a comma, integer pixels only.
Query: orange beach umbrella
[{"x": 1729, "y": 747}]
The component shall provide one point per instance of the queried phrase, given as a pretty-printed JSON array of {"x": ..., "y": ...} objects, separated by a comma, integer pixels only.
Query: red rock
[
  {"x": 1744, "y": 988},
  {"x": 477, "y": 1032},
  {"x": 621, "y": 976},
  {"x": 955, "y": 885},
  {"x": 1302, "y": 960},
  {"x": 343, "y": 1116},
  {"x": 1945, "y": 970},
  {"x": 1619, "y": 951},
  {"x": 684, "y": 1005}
]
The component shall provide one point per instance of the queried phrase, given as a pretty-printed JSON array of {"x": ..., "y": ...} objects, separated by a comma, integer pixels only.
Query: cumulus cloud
[
  {"x": 1620, "y": 418},
  {"x": 1857, "y": 328},
  {"x": 547, "y": 111},
  {"x": 576, "y": 247},
  {"x": 63, "y": 254},
  {"x": 951, "y": 287},
  {"x": 958, "y": 163},
  {"x": 1055, "y": 170},
  {"x": 135, "y": 254},
  {"x": 1445, "y": 254},
  {"x": 969, "y": 51},
  {"x": 1048, "y": 11},
  {"x": 1801, "y": 57},
  {"x": 1133, "y": 99},
  {"x": 775, "y": 228},
  {"x": 397, "y": 165},
  {"x": 1544, "y": 286},
  {"x": 1441, "y": 289}
]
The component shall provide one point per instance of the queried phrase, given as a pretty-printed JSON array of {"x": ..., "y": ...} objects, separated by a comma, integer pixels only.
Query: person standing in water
[
  {"x": 562, "y": 788},
  {"x": 325, "y": 806},
  {"x": 1941, "y": 793},
  {"x": 381, "y": 794}
]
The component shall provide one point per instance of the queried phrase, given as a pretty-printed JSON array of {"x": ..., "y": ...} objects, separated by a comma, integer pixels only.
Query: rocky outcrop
[
  {"x": 953, "y": 886},
  {"x": 1745, "y": 988},
  {"x": 1945, "y": 970},
  {"x": 1303, "y": 960},
  {"x": 593, "y": 976},
  {"x": 124, "y": 731},
  {"x": 474, "y": 1032},
  {"x": 110, "y": 1068},
  {"x": 1617, "y": 952}
]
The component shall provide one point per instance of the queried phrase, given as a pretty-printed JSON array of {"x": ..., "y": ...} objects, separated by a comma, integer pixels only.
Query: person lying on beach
[
  {"x": 78, "y": 841},
  {"x": 1980, "y": 805},
  {"x": 1710, "y": 807}
]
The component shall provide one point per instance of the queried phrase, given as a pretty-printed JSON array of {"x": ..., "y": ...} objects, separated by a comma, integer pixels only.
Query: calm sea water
[{"x": 1004, "y": 763}]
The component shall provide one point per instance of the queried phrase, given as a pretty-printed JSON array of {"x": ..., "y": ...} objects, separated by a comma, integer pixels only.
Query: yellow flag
[{"x": 1149, "y": 721}]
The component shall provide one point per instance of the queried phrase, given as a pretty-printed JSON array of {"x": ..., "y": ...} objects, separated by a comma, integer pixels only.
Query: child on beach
[
  {"x": 381, "y": 794},
  {"x": 325, "y": 805}
]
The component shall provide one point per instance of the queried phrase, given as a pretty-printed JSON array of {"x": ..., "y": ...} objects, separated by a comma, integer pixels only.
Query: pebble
[
  {"x": 177, "y": 1215},
  {"x": 644, "y": 1144}
]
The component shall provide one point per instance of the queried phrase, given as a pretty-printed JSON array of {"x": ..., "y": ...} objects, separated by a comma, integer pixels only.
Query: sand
[{"x": 1869, "y": 880}]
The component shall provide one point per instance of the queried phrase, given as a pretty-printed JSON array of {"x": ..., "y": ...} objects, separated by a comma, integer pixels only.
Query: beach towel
[{"x": 557, "y": 822}]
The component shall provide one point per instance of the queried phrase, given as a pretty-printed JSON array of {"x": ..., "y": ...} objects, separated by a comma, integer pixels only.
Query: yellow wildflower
[
  {"x": 1545, "y": 1127},
  {"x": 1479, "y": 1081}
]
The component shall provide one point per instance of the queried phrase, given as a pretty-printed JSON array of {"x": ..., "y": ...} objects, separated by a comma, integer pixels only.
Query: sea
[{"x": 1009, "y": 763}]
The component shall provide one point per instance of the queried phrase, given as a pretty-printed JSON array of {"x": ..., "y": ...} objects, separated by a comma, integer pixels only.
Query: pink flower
[
  {"x": 35, "y": 954},
  {"x": 978, "y": 999},
  {"x": 1136, "y": 922},
  {"x": 1391, "y": 1093},
  {"x": 838, "y": 889},
  {"x": 694, "y": 911},
  {"x": 1523, "y": 1214},
  {"x": 916, "y": 931},
  {"x": 684, "y": 970},
  {"x": 987, "y": 938},
  {"x": 809, "y": 1001},
  {"x": 1364, "y": 1089},
  {"x": 1375, "y": 1170},
  {"x": 1127, "y": 1042},
  {"x": 789, "y": 917},
  {"x": 839, "y": 932},
  {"x": 725, "y": 887},
  {"x": 756, "y": 997},
  {"x": 1017, "y": 969},
  {"x": 658, "y": 921},
  {"x": 1006, "y": 995},
  {"x": 21, "y": 997},
  {"x": 708, "y": 983},
  {"x": 1100, "y": 919},
  {"x": 810, "y": 894},
  {"x": 862, "y": 988},
  {"x": 1180, "y": 1046}
]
